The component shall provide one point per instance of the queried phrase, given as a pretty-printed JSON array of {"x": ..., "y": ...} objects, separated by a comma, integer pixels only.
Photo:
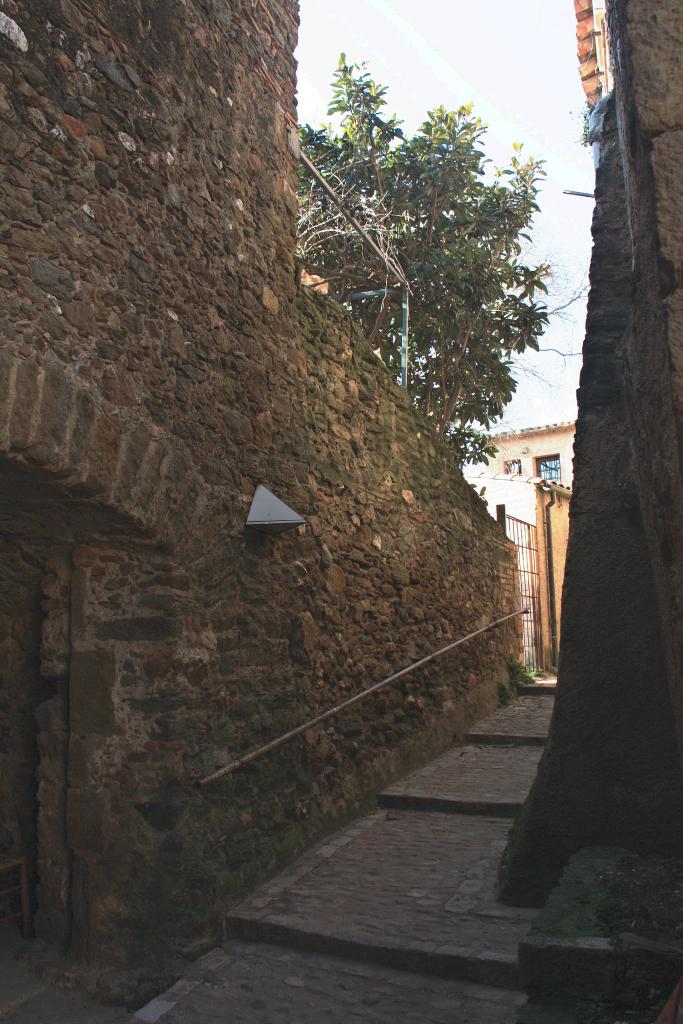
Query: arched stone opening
[
  {"x": 90, "y": 506},
  {"x": 41, "y": 529}
]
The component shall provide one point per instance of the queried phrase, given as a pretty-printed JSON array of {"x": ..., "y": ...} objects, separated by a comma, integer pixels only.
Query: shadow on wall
[{"x": 611, "y": 773}]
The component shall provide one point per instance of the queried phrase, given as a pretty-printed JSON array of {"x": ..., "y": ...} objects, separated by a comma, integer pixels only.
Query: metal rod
[
  {"x": 352, "y": 220},
  {"x": 404, "y": 323},
  {"x": 570, "y": 192},
  {"x": 389, "y": 264},
  {"x": 372, "y": 294},
  {"x": 281, "y": 740},
  {"x": 404, "y": 339}
]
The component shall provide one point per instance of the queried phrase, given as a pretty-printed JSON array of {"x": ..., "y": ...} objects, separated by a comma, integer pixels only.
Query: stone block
[
  {"x": 92, "y": 680},
  {"x": 51, "y": 715},
  {"x": 80, "y": 315},
  {"x": 52, "y": 278},
  {"x": 304, "y": 640},
  {"x": 103, "y": 454},
  {"x": 655, "y": 40},
  {"x": 79, "y": 602},
  {"x": 82, "y": 753},
  {"x": 577, "y": 967},
  {"x": 27, "y": 401},
  {"x": 85, "y": 813},
  {"x": 52, "y": 749},
  {"x": 674, "y": 320},
  {"x": 135, "y": 446},
  {"x": 134, "y": 630},
  {"x": 57, "y": 401},
  {"x": 79, "y": 441},
  {"x": 270, "y": 300},
  {"x": 52, "y": 805},
  {"x": 335, "y": 579},
  {"x": 148, "y": 481},
  {"x": 8, "y": 368},
  {"x": 667, "y": 156}
]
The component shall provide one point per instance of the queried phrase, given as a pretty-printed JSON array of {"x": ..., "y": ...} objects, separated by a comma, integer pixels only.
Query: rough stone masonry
[
  {"x": 612, "y": 772},
  {"x": 157, "y": 363}
]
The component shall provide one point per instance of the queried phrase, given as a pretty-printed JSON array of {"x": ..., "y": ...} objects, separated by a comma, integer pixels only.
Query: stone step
[
  {"x": 18, "y": 985},
  {"x": 253, "y": 984},
  {"x": 537, "y": 690},
  {"x": 579, "y": 950},
  {"x": 489, "y": 780},
  {"x": 52, "y": 1006},
  {"x": 497, "y": 739},
  {"x": 523, "y": 722},
  {"x": 414, "y": 891},
  {"x": 25, "y": 998}
]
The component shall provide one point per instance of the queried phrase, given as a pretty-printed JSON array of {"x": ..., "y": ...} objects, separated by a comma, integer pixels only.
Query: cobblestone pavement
[
  {"x": 393, "y": 920},
  {"x": 543, "y": 687},
  {"x": 261, "y": 984},
  {"x": 525, "y": 721},
  {"x": 368, "y": 923},
  {"x": 472, "y": 779},
  {"x": 50, "y": 1006},
  {"x": 26, "y": 999},
  {"x": 411, "y": 889}
]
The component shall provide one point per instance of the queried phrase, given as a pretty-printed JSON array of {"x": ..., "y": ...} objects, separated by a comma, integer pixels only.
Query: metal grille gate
[{"x": 523, "y": 536}]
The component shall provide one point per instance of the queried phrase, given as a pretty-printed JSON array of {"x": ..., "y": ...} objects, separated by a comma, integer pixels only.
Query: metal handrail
[
  {"x": 281, "y": 740},
  {"x": 390, "y": 264}
]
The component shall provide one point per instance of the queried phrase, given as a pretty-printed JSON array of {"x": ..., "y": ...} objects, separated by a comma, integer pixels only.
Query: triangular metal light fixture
[{"x": 270, "y": 515}]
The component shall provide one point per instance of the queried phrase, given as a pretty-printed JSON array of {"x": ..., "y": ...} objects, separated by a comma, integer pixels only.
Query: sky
[{"x": 516, "y": 62}]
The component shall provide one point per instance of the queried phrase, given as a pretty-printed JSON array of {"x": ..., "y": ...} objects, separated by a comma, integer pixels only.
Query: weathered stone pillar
[
  {"x": 646, "y": 46},
  {"x": 52, "y": 922},
  {"x": 610, "y": 773}
]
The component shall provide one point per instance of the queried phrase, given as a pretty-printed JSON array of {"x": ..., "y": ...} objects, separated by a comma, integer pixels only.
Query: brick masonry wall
[{"x": 157, "y": 364}]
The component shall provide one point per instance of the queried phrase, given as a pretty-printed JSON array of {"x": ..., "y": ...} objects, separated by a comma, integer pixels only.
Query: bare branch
[
  {"x": 558, "y": 352},
  {"x": 320, "y": 222}
]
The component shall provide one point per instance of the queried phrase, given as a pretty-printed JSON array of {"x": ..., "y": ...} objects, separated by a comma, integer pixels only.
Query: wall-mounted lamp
[{"x": 270, "y": 515}]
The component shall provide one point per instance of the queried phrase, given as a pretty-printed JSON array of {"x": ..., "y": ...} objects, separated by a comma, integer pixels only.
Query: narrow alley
[
  {"x": 394, "y": 918},
  {"x": 335, "y": 338}
]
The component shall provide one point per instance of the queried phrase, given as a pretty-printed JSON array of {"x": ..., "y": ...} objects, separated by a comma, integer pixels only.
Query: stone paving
[
  {"x": 545, "y": 686},
  {"x": 26, "y": 999},
  {"x": 415, "y": 890},
  {"x": 525, "y": 721},
  {"x": 491, "y": 779},
  {"x": 392, "y": 920},
  {"x": 262, "y": 984},
  {"x": 365, "y": 924}
]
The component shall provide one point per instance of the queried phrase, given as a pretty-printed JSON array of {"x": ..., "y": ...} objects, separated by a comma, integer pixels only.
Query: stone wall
[
  {"x": 611, "y": 774},
  {"x": 22, "y": 691},
  {"x": 157, "y": 364},
  {"x": 646, "y": 44}
]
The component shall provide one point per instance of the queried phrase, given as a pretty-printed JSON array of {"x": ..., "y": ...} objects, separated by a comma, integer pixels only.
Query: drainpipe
[{"x": 551, "y": 574}]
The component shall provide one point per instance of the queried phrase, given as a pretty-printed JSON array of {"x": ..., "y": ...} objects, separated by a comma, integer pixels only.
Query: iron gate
[{"x": 523, "y": 536}]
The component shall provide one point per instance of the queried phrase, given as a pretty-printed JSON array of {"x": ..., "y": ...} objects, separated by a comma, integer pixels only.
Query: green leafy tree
[{"x": 457, "y": 228}]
